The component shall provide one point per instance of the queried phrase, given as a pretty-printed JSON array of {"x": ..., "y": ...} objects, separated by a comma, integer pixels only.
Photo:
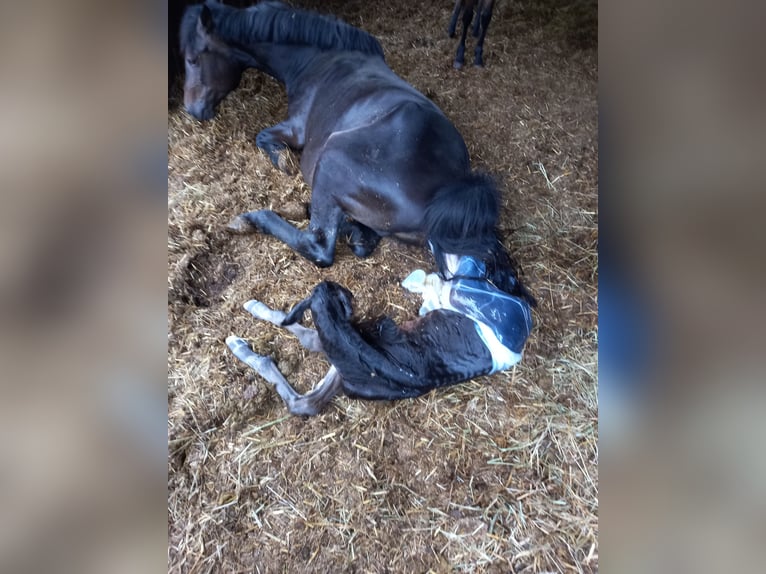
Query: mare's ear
[{"x": 205, "y": 21}]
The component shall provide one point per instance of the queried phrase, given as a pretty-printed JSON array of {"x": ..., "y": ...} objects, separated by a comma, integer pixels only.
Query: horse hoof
[
  {"x": 241, "y": 225},
  {"x": 257, "y": 309},
  {"x": 457, "y": 65},
  {"x": 233, "y": 341}
]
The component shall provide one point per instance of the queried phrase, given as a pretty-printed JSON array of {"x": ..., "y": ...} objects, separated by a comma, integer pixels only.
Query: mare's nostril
[{"x": 199, "y": 111}]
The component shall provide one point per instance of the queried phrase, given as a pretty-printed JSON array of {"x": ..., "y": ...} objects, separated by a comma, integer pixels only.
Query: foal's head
[{"x": 212, "y": 69}]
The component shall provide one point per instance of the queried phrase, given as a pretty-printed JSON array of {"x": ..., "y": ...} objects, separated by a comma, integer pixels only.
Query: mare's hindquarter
[{"x": 379, "y": 148}]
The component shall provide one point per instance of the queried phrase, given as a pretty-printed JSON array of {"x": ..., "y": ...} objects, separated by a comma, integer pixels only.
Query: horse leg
[
  {"x": 317, "y": 243},
  {"x": 308, "y": 338},
  {"x": 477, "y": 23},
  {"x": 484, "y": 17},
  {"x": 276, "y": 140},
  {"x": 309, "y": 404},
  {"x": 467, "y": 17},
  {"x": 361, "y": 239},
  {"x": 453, "y": 19}
]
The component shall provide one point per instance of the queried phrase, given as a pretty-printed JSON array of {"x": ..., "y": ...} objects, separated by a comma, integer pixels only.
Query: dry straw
[{"x": 495, "y": 475}]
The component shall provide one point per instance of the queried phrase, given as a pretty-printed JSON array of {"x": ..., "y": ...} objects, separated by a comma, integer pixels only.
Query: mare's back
[
  {"x": 370, "y": 112},
  {"x": 353, "y": 90}
]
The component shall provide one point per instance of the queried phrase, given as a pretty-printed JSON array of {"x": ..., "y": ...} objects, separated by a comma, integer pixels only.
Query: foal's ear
[{"x": 205, "y": 22}]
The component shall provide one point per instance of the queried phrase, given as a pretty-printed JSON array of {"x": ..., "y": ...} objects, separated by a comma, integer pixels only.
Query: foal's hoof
[
  {"x": 239, "y": 348},
  {"x": 241, "y": 225},
  {"x": 236, "y": 343},
  {"x": 457, "y": 65},
  {"x": 258, "y": 309}
]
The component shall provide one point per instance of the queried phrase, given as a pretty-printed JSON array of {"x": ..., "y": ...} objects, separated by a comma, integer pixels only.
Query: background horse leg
[
  {"x": 308, "y": 338},
  {"x": 309, "y": 404},
  {"x": 467, "y": 17},
  {"x": 453, "y": 19},
  {"x": 482, "y": 23},
  {"x": 477, "y": 22},
  {"x": 276, "y": 140}
]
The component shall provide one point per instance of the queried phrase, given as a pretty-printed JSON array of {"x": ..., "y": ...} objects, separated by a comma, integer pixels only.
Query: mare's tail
[{"x": 462, "y": 219}]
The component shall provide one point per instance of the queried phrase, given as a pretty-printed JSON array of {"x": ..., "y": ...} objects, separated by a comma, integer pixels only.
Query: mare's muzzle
[{"x": 200, "y": 110}]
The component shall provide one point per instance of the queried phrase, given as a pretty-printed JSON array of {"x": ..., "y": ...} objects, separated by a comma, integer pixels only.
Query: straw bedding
[{"x": 495, "y": 475}]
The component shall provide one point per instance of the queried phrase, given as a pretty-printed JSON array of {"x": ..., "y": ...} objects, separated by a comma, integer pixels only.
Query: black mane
[
  {"x": 462, "y": 220},
  {"x": 278, "y": 23}
]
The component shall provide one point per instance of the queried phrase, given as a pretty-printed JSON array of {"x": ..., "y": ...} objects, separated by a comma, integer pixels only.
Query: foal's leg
[
  {"x": 484, "y": 18},
  {"x": 467, "y": 17},
  {"x": 309, "y": 404},
  {"x": 308, "y": 338},
  {"x": 276, "y": 139}
]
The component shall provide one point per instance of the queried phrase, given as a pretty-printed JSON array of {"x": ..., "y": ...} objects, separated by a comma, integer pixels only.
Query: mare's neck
[{"x": 284, "y": 62}]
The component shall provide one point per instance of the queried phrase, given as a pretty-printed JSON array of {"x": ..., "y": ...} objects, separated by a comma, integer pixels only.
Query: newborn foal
[{"x": 467, "y": 328}]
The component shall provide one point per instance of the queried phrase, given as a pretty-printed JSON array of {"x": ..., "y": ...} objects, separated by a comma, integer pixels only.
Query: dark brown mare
[
  {"x": 380, "y": 157},
  {"x": 483, "y": 17}
]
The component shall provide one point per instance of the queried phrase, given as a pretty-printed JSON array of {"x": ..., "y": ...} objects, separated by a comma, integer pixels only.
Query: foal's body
[
  {"x": 379, "y": 360},
  {"x": 373, "y": 361}
]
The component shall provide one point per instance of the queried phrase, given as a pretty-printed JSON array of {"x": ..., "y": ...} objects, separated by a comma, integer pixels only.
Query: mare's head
[{"x": 212, "y": 68}]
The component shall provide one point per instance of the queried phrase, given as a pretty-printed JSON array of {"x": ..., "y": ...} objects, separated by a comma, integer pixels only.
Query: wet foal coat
[{"x": 467, "y": 328}]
